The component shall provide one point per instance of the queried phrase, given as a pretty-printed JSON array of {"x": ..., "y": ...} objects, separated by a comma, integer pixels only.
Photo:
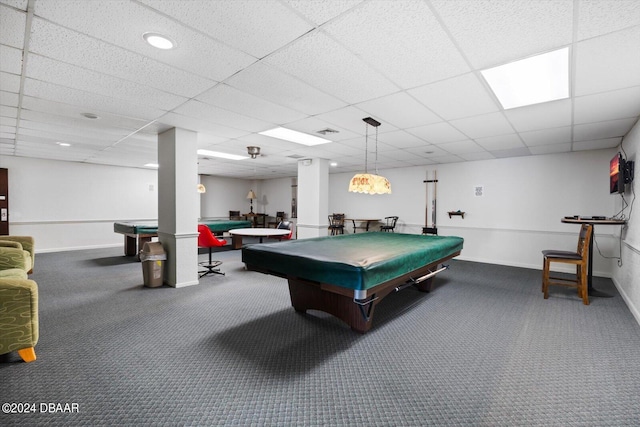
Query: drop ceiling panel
[
  {"x": 255, "y": 27},
  {"x": 312, "y": 125},
  {"x": 564, "y": 147},
  {"x": 7, "y": 111},
  {"x": 459, "y": 97},
  {"x": 491, "y": 124},
  {"x": 11, "y": 59},
  {"x": 232, "y": 99},
  {"x": 612, "y": 105},
  {"x": 512, "y": 152},
  {"x": 501, "y": 142},
  {"x": 9, "y": 82},
  {"x": 494, "y": 32},
  {"x": 349, "y": 118},
  {"x": 597, "y": 144},
  {"x": 9, "y": 98},
  {"x": 92, "y": 102},
  {"x": 210, "y": 113},
  {"x": 597, "y": 17},
  {"x": 128, "y": 21},
  {"x": 547, "y": 136},
  {"x": 461, "y": 147},
  {"x": 199, "y": 125},
  {"x": 401, "y": 139},
  {"x": 399, "y": 110},
  {"x": 438, "y": 133},
  {"x": 12, "y": 24},
  {"x": 548, "y": 115},
  {"x": 598, "y": 62},
  {"x": 320, "y": 12},
  {"x": 278, "y": 87},
  {"x": 65, "y": 75},
  {"x": 402, "y": 39},
  {"x": 602, "y": 130},
  {"x": 103, "y": 57},
  {"x": 322, "y": 63},
  {"x": 480, "y": 155}
]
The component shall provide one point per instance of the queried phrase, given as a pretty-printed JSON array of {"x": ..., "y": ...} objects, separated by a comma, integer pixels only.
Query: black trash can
[{"x": 153, "y": 257}]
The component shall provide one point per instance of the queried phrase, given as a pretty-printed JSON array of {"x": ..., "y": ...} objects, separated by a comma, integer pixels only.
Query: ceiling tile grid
[{"x": 240, "y": 67}]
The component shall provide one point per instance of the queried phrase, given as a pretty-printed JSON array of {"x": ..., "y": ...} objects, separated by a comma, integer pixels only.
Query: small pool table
[
  {"x": 347, "y": 275},
  {"x": 136, "y": 233}
]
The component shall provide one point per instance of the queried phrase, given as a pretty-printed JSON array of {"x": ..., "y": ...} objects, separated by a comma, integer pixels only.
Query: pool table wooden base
[{"x": 340, "y": 302}]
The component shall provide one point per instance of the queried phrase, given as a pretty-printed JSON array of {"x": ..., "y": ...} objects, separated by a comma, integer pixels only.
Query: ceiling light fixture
[
  {"x": 63, "y": 144},
  {"x": 90, "y": 116},
  {"x": 209, "y": 153},
  {"x": 294, "y": 136},
  {"x": 365, "y": 182},
  {"x": 253, "y": 151},
  {"x": 159, "y": 41},
  {"x": 152, "y": 165},
  {"x": 534, "y": 80}
]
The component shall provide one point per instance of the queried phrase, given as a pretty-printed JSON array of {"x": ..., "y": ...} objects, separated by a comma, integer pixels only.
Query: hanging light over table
[{"x": 365, "y": 182}]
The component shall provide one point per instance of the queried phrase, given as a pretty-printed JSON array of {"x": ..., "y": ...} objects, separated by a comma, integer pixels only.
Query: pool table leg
[{"x": 309, "y": 296}]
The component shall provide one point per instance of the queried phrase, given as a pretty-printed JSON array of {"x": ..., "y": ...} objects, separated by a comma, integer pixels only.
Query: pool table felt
[
  {"x": 354, "y": 261},
  {"x": 151, "y": 227}
]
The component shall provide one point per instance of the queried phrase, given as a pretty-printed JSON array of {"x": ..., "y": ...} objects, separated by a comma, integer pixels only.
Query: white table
[{"x": 238, "y": 233}]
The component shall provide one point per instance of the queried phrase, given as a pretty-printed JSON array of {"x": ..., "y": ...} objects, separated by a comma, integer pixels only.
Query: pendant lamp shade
[{"x": 366, "y": 182}]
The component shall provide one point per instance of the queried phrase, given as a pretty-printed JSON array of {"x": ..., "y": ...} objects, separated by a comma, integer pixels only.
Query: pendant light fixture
[{"x": 365, "y": 182}]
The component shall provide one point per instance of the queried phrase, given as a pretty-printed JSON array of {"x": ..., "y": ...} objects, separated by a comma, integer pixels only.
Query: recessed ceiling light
[
  {"x": 90, "y": 116},
  {"x": 221, "y": 155},
  {"x": 63, "y": 144},
  {"x": 534, "y": 80},
  {"x": 294, "y": 136},
  {"x": 152, "y": 165},
  {"x": 159, "y": 41},
  {"x": 333, "y": 164}
]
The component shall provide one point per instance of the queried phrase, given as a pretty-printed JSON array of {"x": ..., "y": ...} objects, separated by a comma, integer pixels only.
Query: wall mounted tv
[{"x": 620, "y": 173}]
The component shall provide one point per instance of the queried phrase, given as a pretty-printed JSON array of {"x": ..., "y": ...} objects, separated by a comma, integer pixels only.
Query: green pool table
[
  {"x": 137, "y": 233},
  {"x": 347, "y": 275}
]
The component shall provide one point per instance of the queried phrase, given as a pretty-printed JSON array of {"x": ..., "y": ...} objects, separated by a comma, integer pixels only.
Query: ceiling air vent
[{"x": 327, "y": 131}]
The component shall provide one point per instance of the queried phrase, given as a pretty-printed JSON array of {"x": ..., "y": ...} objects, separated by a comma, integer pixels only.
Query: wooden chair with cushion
[{"x": 579, "y": 258}]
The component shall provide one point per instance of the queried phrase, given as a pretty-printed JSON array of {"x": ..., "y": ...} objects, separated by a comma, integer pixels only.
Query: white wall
[
  {"x": 71, "y": 205},
  {"x": 517, "y": 217},
  {"x": 225, "y": 194},
  {"x": 627, "y": 276}
]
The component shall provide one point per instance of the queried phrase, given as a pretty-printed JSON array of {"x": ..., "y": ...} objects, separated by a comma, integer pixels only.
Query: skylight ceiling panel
[
  {"x": 491, "y": 124},
  {"x": 547, "y": 136},
  {"x": 598, "y": 17},
  {"x": 320, "y": 61},
  {"x": 619, "y": 104},
  {"x": 255, "y": 27},
  {"x": 211, "y": 113},
  {"x": 66, "y": 75},
  {"x": 11, "y": 59},
  {"x": 10, "y": 82},
  {"x": 232, "y": 99},
  {"x": 12, "y": 24},
  {"x": 399, "y": 110},
  {"x": 456, "y": 98},
  {"x": 92, "y": 102},
  {"x": 607, "y": 63},
  {"x": 438, "y": 133},
  {"x": 264, "y": 142},
  {"x": 278, "y": 87},
  {"x": 540, "y": 116},
  {"x": 127, "y": 23},
  {"x": 602, "y": 130},
  {"x": 402, "y": 39},
  {"x": 494, "y": 32},
  {"x": 53, "y": 41}
]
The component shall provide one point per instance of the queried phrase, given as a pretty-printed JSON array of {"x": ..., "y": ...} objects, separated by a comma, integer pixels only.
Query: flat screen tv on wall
[{"x": 616, "y": 174}]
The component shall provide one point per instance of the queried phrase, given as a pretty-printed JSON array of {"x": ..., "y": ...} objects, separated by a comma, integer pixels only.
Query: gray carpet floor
[{"x": 482, "y": 349}]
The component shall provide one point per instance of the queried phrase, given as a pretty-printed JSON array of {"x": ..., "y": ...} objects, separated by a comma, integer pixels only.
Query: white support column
[
  {"x": 178, "y": 205},
  {"x": 313, "y": 198}
]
